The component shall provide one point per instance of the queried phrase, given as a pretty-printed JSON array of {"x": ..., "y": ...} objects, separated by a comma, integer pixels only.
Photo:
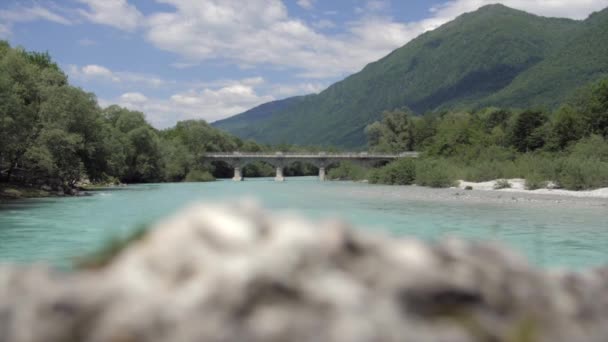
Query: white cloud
[
  {"x": 116, "y": 13},
  {"x": 133, "y": 98},
  {"x": 323, "y": 24},
  {"x": 210, "y": 104},
  {"x": 261, "y": 32},
  {"x": 287, "y": 90},
  {"x": 8, "y": 17},
  {"x": 210, "y": 101},
  {"x": 5, "y": 31},
  {"x": 306, "y": 4},
  {"x": 25, "y": 14},
  {"x": 93, "y": 72},
  {"x": 578, "y": 9},
  {"x": 98, "y": 71}
]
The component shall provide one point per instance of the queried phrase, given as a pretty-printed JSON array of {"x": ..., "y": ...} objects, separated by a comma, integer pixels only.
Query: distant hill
[
  {"x": 495, "y": 56},
  {"x": 243, "y": 125}
]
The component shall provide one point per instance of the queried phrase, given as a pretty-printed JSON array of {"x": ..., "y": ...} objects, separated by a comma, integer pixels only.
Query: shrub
[
  {"x": 400, "y": 172},
  {"x": 347, "y": 171},
  {"x": 594, "y": 147},
  {"x": 502, "y": 184},
  {"x": 199, "y": 176},
  {"x": 536, "y": 181},
  {"x": 435, "y": 173},
  {"x": 583, "y": 174},
  {"x": 258, "y": 169}
]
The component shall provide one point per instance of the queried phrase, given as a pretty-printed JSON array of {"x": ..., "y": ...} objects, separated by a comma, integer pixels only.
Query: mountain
[
  {"x": 241, "y": 124},
  {"x": 495, "y": 56}
]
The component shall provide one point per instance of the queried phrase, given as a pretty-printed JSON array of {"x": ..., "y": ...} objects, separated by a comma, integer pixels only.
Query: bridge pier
[
  {"x": 279, "y": 177},
  {"x": 237, "y": 174},
  {"x": 322, "y": 174}
]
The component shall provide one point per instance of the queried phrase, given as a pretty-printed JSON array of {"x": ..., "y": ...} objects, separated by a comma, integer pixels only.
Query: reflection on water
[{"x": 60, "y": 229}]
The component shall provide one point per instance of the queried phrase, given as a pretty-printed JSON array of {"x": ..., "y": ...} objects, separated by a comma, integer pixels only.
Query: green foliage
[
  {"x": 401, "y": 172},
  {"x": 495, "y": 144},
  {"x": 586, "y": 167},
  {"x": 199, "y": 176},
  {"x": 535, "y": 181},
  {"x": 258, "y": 169},
  {"x": 526, "y": 133},
  {"x": 435, "y": 173},
  {"x": 54, "y": 134},
  {"x": 347, "y": 171},
  {"x": 495, "y": 56},
  {"x": 393, "y": 134}
]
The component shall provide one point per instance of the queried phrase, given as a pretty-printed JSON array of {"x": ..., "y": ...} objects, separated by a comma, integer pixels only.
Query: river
[{"x": 58, "y": 230}]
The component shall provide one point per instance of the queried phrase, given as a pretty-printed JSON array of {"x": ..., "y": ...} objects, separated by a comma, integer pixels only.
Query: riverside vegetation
[
  {"x": 53, "y": 136},
  {"x": 567, "y": 147}
]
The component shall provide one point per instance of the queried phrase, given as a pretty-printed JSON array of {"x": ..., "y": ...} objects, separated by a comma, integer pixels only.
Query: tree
[
  {"x": 526, "y": 133},
  {"x": 568, "y": 127},
  {"x": 592, "y": 102},
  {"x": 393, "y": 134}
]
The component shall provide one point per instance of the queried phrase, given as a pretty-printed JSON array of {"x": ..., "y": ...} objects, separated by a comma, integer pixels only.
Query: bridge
[{"x": 279, "y": 160}]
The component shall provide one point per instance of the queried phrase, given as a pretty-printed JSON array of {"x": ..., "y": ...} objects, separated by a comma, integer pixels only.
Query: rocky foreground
[{"x": 216, "y": 273}]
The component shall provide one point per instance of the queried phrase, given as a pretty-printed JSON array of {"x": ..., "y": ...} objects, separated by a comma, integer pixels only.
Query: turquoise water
[{"x": 58, "y": 230}]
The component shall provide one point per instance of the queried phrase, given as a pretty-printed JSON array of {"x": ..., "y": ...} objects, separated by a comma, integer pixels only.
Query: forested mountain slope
[{"x": 495, "y": 56}]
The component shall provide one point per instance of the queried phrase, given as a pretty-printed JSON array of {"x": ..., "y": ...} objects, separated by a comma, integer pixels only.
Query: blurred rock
[{"x": 218, "y": 273}]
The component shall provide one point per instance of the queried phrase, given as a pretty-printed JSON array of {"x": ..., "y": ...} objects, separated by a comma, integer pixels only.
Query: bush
[
  {"x": 583, "y": 174},
  {"x": 593, "y": 147},
  {"x": 502, "y": 184},
  {"x": 347, "y": 171},
  {"x": 258, "y": 169},
  {"x": 199, "y": 176},
  {"x": 435, "y": 173},
  {"x": 536, "y": 181},
  {"x": 400, "y": 172}
]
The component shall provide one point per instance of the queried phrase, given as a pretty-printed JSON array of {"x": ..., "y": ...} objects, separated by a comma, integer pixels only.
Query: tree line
[
  {"x": 55, "y": 135},
  {"x": 566, "y": 147}
]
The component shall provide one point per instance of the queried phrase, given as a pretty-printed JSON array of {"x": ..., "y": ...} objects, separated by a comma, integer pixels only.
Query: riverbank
[
  {"x": 14, "y": 192},
  {"x": 484, "y": 193},
  {"x": 518, "y": 185},
  {"x": 10, "y": 192}
]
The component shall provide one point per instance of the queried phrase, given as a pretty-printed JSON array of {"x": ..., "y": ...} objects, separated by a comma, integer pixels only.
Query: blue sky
[{"x": 209, "y": 59}]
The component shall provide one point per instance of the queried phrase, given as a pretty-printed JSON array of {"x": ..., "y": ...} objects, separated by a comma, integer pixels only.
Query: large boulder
[{"x": 221, "y": 273}]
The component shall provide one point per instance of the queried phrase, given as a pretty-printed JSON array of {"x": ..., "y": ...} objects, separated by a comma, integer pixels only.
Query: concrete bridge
[{"x": 280, "y": 160}]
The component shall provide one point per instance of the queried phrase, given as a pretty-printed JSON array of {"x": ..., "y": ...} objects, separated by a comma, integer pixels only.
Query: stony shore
[
  {"x": 239, "y": 273},
  {"x": 485, "y": 195}
]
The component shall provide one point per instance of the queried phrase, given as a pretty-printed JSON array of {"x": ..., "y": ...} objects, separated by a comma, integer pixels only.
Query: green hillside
[
  {"x": 240, "y": 124},
  {"x": 495, "y": 56}
]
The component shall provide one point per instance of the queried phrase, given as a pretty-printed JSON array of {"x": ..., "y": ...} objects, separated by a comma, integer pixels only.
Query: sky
[{"x": 210, "y": 59}]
